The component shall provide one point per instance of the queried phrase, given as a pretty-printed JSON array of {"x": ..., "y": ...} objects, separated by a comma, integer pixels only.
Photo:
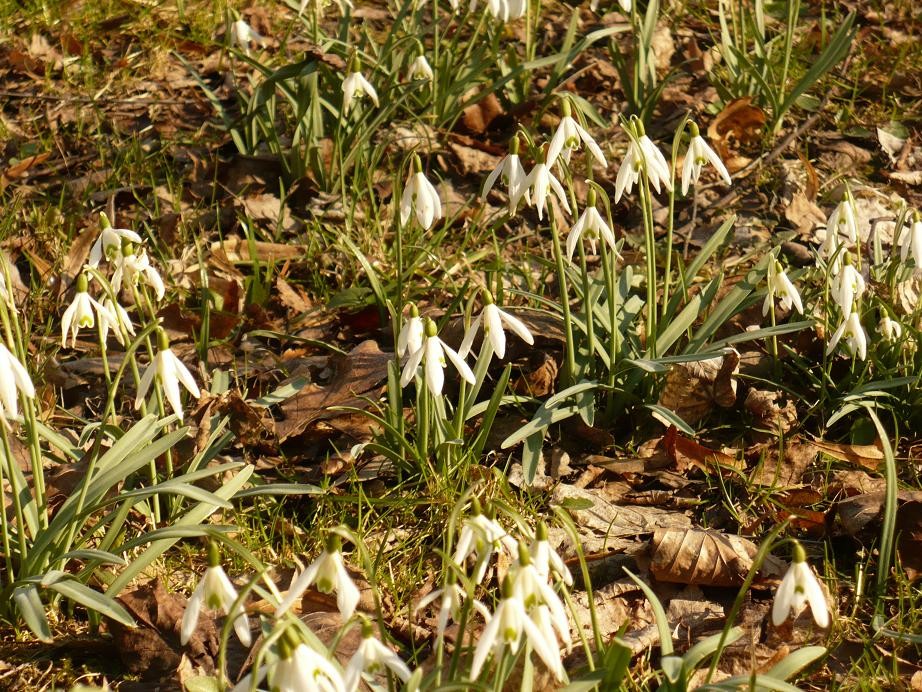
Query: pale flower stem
[
  {"x": 608, "y": 266},
  {"x": 15, "y": 492},
  {"x": 564, "y": 299},
  {"x": 670, "y": 219},
  {"x": 14, "y": 339},
  {"x": 587, "y": 309},
  {"x": 646, "y": 203}
]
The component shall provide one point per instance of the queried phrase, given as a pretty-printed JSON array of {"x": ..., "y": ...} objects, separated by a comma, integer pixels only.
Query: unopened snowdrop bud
[
  {"x": 798, "y": 588},
  {"x": 700, "y": 153},
  {"x": 420, "y": 69},
  {"x": 889, "y": 329}
]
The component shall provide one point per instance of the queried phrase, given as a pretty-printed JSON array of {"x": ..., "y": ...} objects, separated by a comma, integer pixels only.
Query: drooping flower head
[
  {"x": 700, "y": 153},
  {"x": 216, "y": 592},
  {"x": 432, "y": 355},
  {"x": 852, "y": 334},
  {"x": 420, "y": 69},
  {"x": 780, "y": 286},
  {"x": 355, "y": 86},
  {"x": 848, "y": 285},
  {"x": 169, "y": 372},
  {"x": 512, "y": 173},
  {"x": 411, "y": 334},
  {"x": 642, "y": 158},
  {"x": 539, "y": 182},
  {"x": 911, "y": 243},
  {"x": 109, "y": 243},
  {"x": 568, "y": 137},
  {"x": 590, "y": 226},
  {"x": 14, "y": 378},
  {"x": 798, "y": 588},
  {"x": 82, "y": 313},
  {"x": 493, "y": 319},
  {"x": 889, "y": 329},
  {"x": 372, "y": 657},
  {"x": 329, "y": 573},
  {"x": 421, "y": 197}
]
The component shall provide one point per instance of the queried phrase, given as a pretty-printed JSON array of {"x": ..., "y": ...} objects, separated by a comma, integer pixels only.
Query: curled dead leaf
[
  {"x": 740, "y": 123},
  {"x": 692, "y": 389}
]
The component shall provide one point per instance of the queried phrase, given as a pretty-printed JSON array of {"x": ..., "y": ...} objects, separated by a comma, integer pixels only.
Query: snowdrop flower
[
  {"x": 888, "y": 328},
  {"x": 299, "y": 668},
  {"x": 480, "y": 537},
  {"x": 411, "y": 334},
  {"x": 493, "y": 319},
  {"x": 545, "y": 558},
  {"x": 450, "y": 598},
  {"x": 800, "y": 587},
  {"x": 420, "y": 196},
  {"x": 533, "y": 589},
  {"x": 432, "y": 355},
  {"x": 513, "y": 176},
  {"x": 355, "y": 86},
  {"x": 851, "y": 330},
  {"x": 567, "y": 138},
  {"x": 847, "y": 286},
  {"x": 82, "y": 313},
  {"x": 843, "y": 219},
  {"x": 132, "y": 268},
  {"x": 371, "y": 656},
  {"x": 13, "y": 377},
  {"x": 780, "y": 285},
  {"x": 539, "y": 181},
  {"x": 505, "y": 10},
  {"x": 642, "y": 156},
  {"x": 169, "y": 372},
  {"x": 420, "y": 69},
  {"x": 120, "y": 320},
  {"x": 329, "y": 573},
  {"x": 109, "y": 243},
  {"x": 699, "y": 153},
  {"x": 508, "y": 626},
  {"x": 911, "y": 244},
  {"x": 592, "y": 226},
  {"x": 215, "y": 591},
  {"x": 242, "y": 35}
]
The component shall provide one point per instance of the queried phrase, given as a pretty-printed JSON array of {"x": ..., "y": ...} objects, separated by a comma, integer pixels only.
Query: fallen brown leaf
[
  {"x": 866, "y": 456},
  {"x": 692, "y": 389}
]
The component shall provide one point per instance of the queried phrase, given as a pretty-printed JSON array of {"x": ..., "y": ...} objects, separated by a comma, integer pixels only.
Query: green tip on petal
[
  {"x": 214, "y": 555},
  {"x": 847, "y": 258},
  {"x": 104, "y": 220},
  {"x": 693, "y": 128},
  {"x": 590, "y": 197},
  {"x": 800, "y": 554},
  {"x": 488, "y": 297},
  {"x": 778, "y": 267},
  {"x": 82, "y": 283},
  {"x": 414, "y": 311},
  {"x": 431, "y": 329},
  {"x": 417, "y": 164},
  {"x": 514, "y": 145}
]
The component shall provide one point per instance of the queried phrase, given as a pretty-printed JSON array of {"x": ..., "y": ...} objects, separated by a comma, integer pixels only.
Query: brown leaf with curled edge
[
  {"x": 764, "y": 406},
  {"x": 705, "y": 558},
  {"x": 784, "y": 468},
  {"x": 358, "y": 376},
  {"x": 866, "y": 456},
  {"x": 739, "y": 123},
  {"x": 477, "y": 117},
  {"x": 692, "y": 389},
  {"x": 687, "y": 453}
]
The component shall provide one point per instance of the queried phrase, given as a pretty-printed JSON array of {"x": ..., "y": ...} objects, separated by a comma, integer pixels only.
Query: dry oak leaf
[
  {"x": 784, "y": 468},
  {"x": 866, "y": 456},
  {"x": 357, "y": 377},
  {"x": 685, "y": 453},
  {"x": 738, "y": 123},
  {"x": 764, "y": 406},
  {"x": 705, "y": 558},
  {"x": 692, "y": 389}
]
